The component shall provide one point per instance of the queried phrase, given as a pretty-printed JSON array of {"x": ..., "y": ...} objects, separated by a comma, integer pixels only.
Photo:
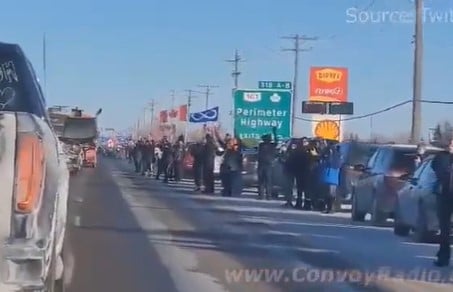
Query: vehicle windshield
[
  {"x": 355, "y": 153},
  {"x": 58, "y": 130},
  {"x": 79, "y": 128},
  {"x": 404, "y": 160}
]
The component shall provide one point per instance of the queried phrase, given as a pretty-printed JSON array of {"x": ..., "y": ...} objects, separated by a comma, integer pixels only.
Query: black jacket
[
  {"x": 196, "y": 150},
  {"x": 209, "y": 152},
  {"x": 443, "y": 167},
  {"x": 232, "y": 159},
  {"x": 266, "y": 153},
  {"x": 178, "y": 151}
]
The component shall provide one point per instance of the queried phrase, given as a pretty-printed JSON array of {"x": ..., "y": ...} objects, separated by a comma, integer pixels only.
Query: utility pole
[
  {"x": 418, "y": 72},
  {"x": 144, "y": 119},
  {"x": 237, "y": 58},
  {"x": 207, "y": 93},
  {"x": 190, "y": 96},
  {"x": 296, "y": 50},
  {"x": 172, "y": 98},
  {"x": 152, "y": 108}
]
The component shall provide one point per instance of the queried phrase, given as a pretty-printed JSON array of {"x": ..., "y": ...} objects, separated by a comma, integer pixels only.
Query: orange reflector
[{"x": 29, "y": 172}]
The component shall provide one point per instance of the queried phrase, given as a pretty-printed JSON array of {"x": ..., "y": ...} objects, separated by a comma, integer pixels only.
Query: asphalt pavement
[{"x": 130, "y": 233}]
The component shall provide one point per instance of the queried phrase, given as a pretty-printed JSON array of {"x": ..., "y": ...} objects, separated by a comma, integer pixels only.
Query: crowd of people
[{"x": 310, "y": 166}]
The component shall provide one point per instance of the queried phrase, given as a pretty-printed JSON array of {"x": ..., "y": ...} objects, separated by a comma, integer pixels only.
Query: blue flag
[{"x": 209, "y": 115}]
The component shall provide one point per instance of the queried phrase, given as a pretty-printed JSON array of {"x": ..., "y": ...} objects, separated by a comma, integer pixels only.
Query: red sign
[{"x": 328, "y": 84}]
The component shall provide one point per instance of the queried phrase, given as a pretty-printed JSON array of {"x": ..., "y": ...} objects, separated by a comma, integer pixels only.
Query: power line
[
  {"x": 208, "y": 93},
  {"x": 296, "y": 50},
  {"x": 372, "y": 114},
  {"x": 436, "y": 102},
  {"x": 237, "y": 58}
]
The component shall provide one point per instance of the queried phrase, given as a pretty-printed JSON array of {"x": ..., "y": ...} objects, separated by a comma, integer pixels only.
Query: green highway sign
[
  {"x": 256, "y": 112},
  {"x": 280, "y": 85}
]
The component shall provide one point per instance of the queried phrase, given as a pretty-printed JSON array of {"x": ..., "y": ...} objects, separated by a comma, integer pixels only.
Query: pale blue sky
[{"x": 120, "y": 54}]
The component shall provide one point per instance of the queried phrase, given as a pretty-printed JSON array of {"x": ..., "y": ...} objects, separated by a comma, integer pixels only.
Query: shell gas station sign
[{"x": 327, "y": 127}]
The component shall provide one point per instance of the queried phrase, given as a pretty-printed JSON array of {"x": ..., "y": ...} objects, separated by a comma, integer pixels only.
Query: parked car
[
  {"x": 376, "y": 189},
  {"x": 416, "y": 208},
  {"x": 352, "y": 153},
  {"x": 34, "y": 182}
]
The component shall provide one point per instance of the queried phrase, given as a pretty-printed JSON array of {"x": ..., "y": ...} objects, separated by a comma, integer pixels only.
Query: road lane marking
[
  {"x": 298, "y": 234},
  {"x": 394, "y": 285},
  {"x": 77, "y": 221},
  {"x": 181, "y": 263}
]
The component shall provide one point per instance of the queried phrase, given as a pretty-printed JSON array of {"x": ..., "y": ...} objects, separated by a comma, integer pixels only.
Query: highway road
[{"x": 136, "y": 234}]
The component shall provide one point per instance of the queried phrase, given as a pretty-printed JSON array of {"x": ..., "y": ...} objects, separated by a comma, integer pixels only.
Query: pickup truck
[{"x": 34, "y": 184}]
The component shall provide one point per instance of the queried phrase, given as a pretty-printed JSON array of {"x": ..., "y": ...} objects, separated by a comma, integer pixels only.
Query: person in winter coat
[
  {"x": 231, "y": 166},
  {"x": 442, "y": 166},
  {"x": 209, "y": 153},
  {"x": 178, "y": 153},
  {"x": 146, "y": 157},
  {"x": 196, "y": 151},
  {"x": 138, "y": 155},
  {"x": 266, "y": 154},
  {"x": 296, "y": 169},
  {"x": 331, "y": 164}
]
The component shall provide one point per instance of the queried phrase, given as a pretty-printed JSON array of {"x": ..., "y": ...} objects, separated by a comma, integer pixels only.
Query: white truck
[{"x": 34, "y": 183}]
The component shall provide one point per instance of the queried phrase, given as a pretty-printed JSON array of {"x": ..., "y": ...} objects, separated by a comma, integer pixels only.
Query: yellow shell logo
[
  {"x": 329, "y": 75},
  {"x": 327, "y": 129}
]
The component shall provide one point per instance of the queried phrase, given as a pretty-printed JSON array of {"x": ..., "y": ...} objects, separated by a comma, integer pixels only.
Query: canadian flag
[
  {"x": 183, "y": 113},
  {"x": 173, "y": 114},
  {"x": 163, "y": 116},
  {"x": 179, "y": 113}
]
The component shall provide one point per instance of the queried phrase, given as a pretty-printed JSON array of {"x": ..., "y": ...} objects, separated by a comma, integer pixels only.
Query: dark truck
[{"x": 78, "y": 137}]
